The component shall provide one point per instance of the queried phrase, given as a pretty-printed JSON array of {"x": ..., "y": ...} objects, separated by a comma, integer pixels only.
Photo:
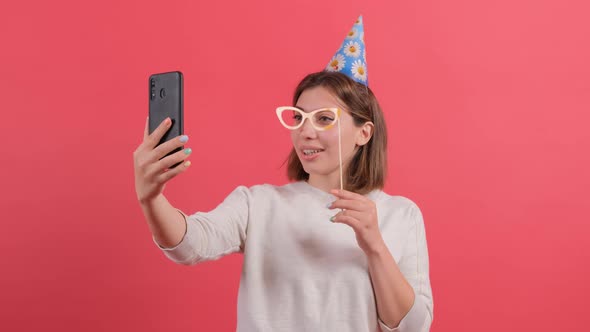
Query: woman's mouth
[{"x": 310, "y": 154}]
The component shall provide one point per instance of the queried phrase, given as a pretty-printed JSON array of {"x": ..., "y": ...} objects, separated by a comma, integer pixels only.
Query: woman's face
[{"x": 324, "y": 144}]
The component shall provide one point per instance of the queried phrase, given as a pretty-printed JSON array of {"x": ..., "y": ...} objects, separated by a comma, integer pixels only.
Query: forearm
[
  {"x": 164, "y": 220},
  {"x": 394, "y": 295}
]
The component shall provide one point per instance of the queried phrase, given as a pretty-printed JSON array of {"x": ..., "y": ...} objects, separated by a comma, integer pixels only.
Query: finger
[
  {"x": 349, "y": 204},
  {"x": 359, "y": 216},
  {"x": 345, "y": 219},
  {"x": 169, "y": 174},
  {"x": 154, "y": 138},
  {"x": 163, "y": 149},
  {"x": 174, "y": 159},
  {"x": 145, "y": 131},
  {"x": 157, "y": 167},
  {"x": 345, "y": 194}
]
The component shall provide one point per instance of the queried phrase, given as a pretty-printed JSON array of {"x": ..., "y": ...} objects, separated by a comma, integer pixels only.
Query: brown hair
[{"x": 367, "y": 169}]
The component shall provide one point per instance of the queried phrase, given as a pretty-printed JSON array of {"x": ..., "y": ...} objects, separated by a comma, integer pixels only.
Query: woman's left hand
[{"x": 360, "y": 213}]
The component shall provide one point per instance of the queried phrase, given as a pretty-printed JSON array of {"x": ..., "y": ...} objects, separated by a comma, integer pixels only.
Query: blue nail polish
[
  {"x": 183, "y": 138},
  {"x": 329, "y": 205}
]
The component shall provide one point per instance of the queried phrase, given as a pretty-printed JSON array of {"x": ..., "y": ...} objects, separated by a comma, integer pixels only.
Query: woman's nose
[{"x": 307, "y": 129}]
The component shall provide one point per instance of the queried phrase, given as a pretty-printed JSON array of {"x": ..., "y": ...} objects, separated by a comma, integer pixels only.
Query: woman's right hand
[{"x": 151, "y": 170}]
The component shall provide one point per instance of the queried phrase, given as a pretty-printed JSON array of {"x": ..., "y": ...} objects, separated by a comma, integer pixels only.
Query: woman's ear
[{"x": 365, "y": 133}]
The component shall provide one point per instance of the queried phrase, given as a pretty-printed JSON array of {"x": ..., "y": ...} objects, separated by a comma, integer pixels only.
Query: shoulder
[
  {"x": 395, "y": 201},
  {"x": 399, "y": 207}
]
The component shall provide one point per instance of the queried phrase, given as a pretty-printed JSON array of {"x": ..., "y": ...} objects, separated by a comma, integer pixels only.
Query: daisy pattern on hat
[
  {"x": 337, "y": 63},
  {"x": 352, "y": 49},
  {"x": 352, "y": 34},
  {"x": 359, "y": 70},
  {"x": 350, "y": 59}
]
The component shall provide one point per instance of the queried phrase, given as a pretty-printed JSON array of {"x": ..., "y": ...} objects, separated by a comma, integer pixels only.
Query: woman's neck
[{"x": 325, "y": 182}]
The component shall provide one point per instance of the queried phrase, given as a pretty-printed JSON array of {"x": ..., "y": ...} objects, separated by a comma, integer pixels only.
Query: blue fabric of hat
[{"x": 351, "y": 57}]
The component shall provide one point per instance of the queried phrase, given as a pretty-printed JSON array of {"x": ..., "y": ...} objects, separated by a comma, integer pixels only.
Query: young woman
[
  {"x": 302, "y": 272},
  {"x": 316, "y": 258}
]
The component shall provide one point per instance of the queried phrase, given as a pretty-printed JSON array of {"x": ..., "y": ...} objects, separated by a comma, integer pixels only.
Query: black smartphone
[{"x": 167, "y": 100}]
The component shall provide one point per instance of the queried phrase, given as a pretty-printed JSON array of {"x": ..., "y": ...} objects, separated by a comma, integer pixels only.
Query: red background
[{"x": 487, "y": 110}]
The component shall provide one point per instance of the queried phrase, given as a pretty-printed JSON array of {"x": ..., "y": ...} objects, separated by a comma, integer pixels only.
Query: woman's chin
[{"x": 318, "y": 171}]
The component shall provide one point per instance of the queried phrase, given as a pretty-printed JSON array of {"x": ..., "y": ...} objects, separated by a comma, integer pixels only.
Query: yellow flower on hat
[
  {"x": 359, "y": 70},
  {"x": 352, "y": 34},
  {"x": 352, "y": 49},
  {"x": 337, "y": 63}
]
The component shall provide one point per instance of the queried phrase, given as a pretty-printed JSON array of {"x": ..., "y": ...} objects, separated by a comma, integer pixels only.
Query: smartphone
[{"x": 167, "y": 100}]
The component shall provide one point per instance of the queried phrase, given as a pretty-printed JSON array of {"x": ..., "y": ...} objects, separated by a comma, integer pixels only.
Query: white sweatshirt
[{"x": 302, "y": 272}]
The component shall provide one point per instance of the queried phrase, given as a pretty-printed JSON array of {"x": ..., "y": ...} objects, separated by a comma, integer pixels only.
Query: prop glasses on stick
[{"x": 321, "y": 119}]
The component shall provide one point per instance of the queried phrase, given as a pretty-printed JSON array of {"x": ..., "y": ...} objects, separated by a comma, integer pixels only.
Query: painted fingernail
[
  {"x": 329, "y": 205},
  {"x": 188, "y": 151},
  {"x": 332, "y": 218},
  {"x": 183, "y": 138},
  {"x": 188, "y": 163}
]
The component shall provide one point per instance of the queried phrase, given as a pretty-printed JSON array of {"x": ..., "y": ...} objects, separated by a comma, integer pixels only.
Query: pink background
[{"x": 487, "y": 109}]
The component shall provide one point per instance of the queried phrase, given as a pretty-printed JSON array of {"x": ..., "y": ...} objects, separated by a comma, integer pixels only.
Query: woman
[{"x": 364, "y": 271}]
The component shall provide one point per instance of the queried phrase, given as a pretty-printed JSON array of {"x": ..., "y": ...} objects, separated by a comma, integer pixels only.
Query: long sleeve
[
  {"x": 300, "y": 271},
  {"x": 414, "y": 266},
  {"x": 214, "y": 234}
]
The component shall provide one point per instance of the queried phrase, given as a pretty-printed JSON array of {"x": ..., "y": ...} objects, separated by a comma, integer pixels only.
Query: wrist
[
  {"x": 377, "y": 250},
  {"x": 150, "y": 201}
]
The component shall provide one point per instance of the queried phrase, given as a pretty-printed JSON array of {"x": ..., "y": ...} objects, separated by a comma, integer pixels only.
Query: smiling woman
[
  {"x": 364, "y": 133},
  {"x": 366, "y": 270}
]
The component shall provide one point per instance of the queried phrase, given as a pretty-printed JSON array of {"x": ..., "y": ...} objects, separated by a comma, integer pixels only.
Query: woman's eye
[
  {"x": 326, "y": 119},
  {"x": 296, "y": 117}
]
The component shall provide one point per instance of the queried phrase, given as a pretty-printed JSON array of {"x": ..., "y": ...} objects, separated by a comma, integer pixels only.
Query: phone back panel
[{"x": 166, "y": 100}]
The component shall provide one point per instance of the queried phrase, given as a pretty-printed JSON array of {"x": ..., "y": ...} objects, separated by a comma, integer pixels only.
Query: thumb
[{"x": 145, "y": 131}]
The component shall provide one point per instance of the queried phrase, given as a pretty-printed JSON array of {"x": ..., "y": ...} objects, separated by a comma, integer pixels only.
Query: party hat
[{"x": 350, "y": 59}]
